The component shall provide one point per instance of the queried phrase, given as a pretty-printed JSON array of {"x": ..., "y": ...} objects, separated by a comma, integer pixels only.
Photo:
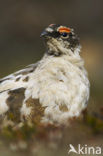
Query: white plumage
[{"x": 54, "y": 90}]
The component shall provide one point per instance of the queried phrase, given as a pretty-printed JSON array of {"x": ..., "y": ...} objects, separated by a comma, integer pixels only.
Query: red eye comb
[{"x": 64, "y": 29}]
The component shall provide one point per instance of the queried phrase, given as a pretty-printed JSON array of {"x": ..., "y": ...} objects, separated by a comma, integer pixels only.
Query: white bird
[{"x": 52, "y": 91}]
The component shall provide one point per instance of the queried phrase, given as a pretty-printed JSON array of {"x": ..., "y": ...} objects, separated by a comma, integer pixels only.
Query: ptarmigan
[{"x": 52, "y": 91}]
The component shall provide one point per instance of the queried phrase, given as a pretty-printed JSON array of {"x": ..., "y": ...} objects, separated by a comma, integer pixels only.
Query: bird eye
[{"x": 64, "y": 35}]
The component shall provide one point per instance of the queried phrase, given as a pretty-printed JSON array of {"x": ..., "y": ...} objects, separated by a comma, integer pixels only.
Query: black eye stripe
[
  {"x": 54, "y": 34},
  {"x": 57, "y": 34}
]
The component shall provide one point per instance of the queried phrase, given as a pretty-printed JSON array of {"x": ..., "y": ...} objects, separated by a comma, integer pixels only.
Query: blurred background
[{"x": 22, "y": 21}]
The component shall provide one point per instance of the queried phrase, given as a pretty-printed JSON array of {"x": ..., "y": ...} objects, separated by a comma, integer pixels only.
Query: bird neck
[{"x": 69, "y": 55}]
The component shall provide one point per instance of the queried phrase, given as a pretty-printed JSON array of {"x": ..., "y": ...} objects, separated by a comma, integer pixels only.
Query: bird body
[{"x": 54, "y": 90}]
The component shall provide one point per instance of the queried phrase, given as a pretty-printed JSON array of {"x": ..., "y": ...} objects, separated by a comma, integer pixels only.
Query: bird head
[{"x": 60, "y": 40}]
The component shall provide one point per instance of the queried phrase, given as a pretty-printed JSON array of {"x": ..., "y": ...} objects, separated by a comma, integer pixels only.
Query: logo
[{"x": 85, "y": 150}]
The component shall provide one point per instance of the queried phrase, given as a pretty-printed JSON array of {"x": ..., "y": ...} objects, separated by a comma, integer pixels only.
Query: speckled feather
[{"x": 53, "y": 90}]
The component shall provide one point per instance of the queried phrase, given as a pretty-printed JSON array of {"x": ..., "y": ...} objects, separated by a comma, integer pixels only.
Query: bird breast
[{"x": 63, "y": 89}]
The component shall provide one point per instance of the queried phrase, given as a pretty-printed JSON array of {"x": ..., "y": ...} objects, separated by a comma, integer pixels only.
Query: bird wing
[
  {"x": 12, "y": 89},
  {"x": 17, "y": 79}
]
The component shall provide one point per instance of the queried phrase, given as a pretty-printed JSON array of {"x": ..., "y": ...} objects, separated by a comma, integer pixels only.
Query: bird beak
[{"x": 44, "y": 34}]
